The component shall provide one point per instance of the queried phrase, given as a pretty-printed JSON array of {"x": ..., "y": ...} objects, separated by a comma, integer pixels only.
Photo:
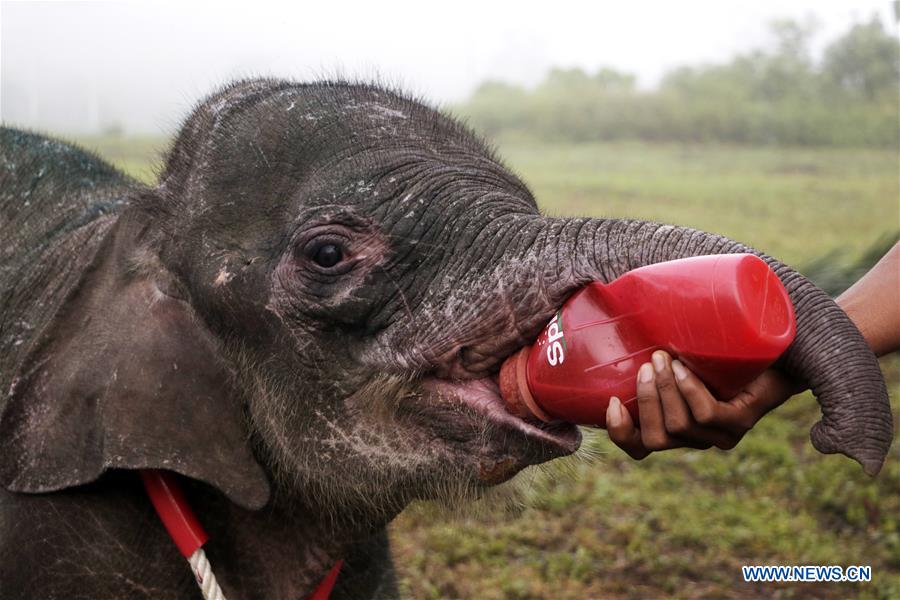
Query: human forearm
[{"x": 873, "y": 304}]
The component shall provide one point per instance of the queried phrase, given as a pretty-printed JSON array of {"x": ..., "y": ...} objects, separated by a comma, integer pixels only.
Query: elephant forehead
[{"x": 399, "y": 192}]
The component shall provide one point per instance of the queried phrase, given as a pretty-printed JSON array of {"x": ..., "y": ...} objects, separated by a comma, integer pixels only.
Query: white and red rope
[
  {"x": 187, "y": 533},
  {"x": 209, "y": 587}
]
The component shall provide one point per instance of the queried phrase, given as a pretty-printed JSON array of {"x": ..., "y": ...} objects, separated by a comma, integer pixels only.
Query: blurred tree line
[{"x": 774, "y": 95}]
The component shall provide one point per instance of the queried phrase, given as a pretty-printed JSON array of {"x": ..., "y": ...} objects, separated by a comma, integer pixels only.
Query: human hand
[{"x": 678, "y": 411}]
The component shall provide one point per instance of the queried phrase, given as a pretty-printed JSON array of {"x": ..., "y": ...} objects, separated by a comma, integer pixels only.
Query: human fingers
[
  {"x": 684, "y": 397},
  {"x": 622, "y": 430}
]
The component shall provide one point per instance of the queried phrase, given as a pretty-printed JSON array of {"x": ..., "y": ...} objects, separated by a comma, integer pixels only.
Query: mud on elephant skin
[{"x": 304, "y": 318}]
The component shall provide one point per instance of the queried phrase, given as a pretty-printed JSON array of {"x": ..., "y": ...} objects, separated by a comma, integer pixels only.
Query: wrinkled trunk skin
[{"x": 829, "y": 353}]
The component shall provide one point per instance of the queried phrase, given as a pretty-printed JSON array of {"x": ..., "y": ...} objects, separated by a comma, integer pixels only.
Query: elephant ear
[{"x": 126, "y": 376}]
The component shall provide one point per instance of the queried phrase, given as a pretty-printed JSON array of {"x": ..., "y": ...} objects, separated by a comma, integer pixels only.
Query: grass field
[{"x": 680, "y": 523}]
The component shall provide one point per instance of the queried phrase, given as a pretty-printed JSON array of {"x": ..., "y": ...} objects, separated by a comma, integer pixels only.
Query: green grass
[
  {"x": 139, "y": 157},
  {"x": 793, "y": 203},
  {"x": 680, "y": 523}
]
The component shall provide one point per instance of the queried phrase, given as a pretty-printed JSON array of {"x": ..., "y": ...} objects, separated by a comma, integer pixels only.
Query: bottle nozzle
[{"x": 514, "y": 388}]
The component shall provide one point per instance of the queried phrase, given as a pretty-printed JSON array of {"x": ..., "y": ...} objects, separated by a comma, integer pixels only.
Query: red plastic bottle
[{"x": 726, "y": 317}]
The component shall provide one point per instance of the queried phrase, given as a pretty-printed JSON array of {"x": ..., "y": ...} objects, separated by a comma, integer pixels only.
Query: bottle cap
[{"x": 514, "y": 388}]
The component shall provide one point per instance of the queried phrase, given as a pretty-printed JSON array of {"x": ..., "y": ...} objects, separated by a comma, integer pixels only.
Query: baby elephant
[{"x": 304, "y": 319}]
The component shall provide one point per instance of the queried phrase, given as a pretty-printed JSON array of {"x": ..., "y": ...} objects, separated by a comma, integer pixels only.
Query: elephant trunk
[{"x": 829, "y": 353}]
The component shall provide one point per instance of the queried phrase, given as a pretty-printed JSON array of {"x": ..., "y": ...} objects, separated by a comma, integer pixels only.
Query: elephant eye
[{"x": 328, "y": 255}]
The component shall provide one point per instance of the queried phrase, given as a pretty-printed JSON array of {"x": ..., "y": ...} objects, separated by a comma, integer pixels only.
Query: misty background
[{"x": 137, "y": 68}]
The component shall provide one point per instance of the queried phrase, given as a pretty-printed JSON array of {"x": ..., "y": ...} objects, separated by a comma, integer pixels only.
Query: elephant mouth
[{"x": 478, "y": 400}]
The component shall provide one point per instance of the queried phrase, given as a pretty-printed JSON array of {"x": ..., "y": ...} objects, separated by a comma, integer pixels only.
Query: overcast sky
[{"x": 81, "y": 66}]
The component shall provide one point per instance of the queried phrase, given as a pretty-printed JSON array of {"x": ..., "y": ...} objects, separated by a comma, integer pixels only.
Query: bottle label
[{"x": 556, "y": 341}]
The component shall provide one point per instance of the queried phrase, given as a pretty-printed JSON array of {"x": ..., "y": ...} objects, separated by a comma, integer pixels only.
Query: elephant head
[{"x": 318, "y": 295}]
